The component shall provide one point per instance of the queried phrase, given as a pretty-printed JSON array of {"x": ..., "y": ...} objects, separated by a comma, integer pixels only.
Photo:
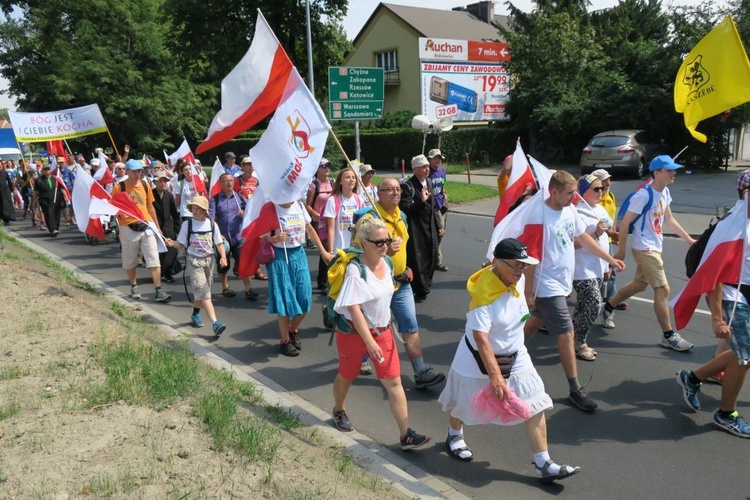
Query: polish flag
[
  {"x": 721, "y": 263},
  {"x": 215, "y": 185},
  {"x": 543, "y": 175},
  {"x": 145, "y": 160},
  {"x": 183, "y": 153},
  {"x": 260, "y": 218},
  {"x": 103, "y": 175},
  {"x": 520, "y": 178},
  {"x": 288, "y": 153},
  {"x": 55, "y": 148},
  {"x": 252, "y": 90},
  {"x": 526, "y": 224},
  {"x": 86, "y": 188}
]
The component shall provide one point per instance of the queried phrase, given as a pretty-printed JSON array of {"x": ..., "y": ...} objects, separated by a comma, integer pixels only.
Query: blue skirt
[{"x": 289, "y": 287}]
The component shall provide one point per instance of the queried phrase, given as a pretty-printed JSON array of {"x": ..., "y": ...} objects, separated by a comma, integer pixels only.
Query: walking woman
[
  {"x": 289, "y": 288},
  {"x": 339, "y": 210},
  {"x": 317, "y": 196},
  {"x": 365, "y": 305},
  {"x": 588, "y": 276}
]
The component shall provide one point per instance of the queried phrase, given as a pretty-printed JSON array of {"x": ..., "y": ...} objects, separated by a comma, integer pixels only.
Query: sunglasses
[
  {"x": 325, "y": 165},
  {"x": 598, "y": 189},
  {"x": 380, "y": 243}
]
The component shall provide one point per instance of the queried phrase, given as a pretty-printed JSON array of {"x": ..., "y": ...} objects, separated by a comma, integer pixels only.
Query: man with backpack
[
  {"x": 647, "y": 212},
  {"x": 137, "y": 235}
]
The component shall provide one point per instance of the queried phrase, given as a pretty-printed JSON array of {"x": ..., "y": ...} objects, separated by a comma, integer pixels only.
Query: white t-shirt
[
  {"x": 187, "y": 192},
  {"x": 292, "y": 221},
  {"x": 342, "y": 237},
  {"x": 652, "y": 237},
  {"x": 588, "y": 265},
  {"x": 554, "y": 275},
  {"x": 201, "y": 239},
  {"x": 373, "y": 295},
  {"x": 373, "y": 190},
  {"x": 503, "y": 320}
]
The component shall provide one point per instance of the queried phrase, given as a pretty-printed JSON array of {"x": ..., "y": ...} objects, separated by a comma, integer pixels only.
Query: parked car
[{"x": 626, "y": 151}]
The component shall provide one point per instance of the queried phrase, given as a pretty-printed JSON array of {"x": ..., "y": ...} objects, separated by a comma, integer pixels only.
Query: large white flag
[{"x": 289, "y": 151}]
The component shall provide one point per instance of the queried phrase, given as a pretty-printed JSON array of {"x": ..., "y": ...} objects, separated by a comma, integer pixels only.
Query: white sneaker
[
  {"x": 607, "y": 319},
  {"x": 134, "y": 293},
  {"x": 676, "y": 343}
]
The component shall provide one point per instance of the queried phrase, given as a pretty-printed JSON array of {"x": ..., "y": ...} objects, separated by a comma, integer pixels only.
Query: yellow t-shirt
[
  {"x": 609, "y": 204},
  {"x": 143, "y": 198}
]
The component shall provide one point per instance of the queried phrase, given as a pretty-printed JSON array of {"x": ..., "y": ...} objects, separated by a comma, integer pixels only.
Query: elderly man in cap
[
  {"x": 438, "y": 178},
  {"x": 651, "y": 203},
  {"x": 230, "y": 166},
  {"x": 425, "y": 227},
  {"x": 136, "y": 234}
]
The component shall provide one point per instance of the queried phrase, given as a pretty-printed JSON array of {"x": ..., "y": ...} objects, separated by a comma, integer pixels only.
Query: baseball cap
[
  {"x": 95, "y": 162},
  {"x": 743, "y": 180},
  {"x": 419, "y": 161},
  {"x": 324, "y": 163},
  {"x": 199, "y": 201},
  {"x": 585, "y": 182},
  {"x": 663, "y": 161},
  {"x": 511, "y": 248},
  {"x": 601, "y": 174},
  {"x": 229, "y": 154},
  {"x": 160, "y": 174},
  {"x": 133, "y": 165},
  {"x": 433, "y": 153},
  {"x": 245, "y": 159}
]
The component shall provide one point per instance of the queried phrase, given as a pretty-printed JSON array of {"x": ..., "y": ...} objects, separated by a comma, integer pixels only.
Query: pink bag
[
  {"x": 265, "y": 253},
  {"x": 486, "y": 407}
]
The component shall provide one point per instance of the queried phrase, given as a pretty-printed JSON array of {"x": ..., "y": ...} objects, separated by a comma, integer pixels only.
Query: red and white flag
[
  {"x": 526, "y": 224},
  {"x": 200, "y": 184},
  {"x": 86, "y": 188},
  {"x": 520, "y": 178},
  {"x": 721, "y": 263},
  {"x": 215, "y": 185},
  {"x": 183, "y": 153},
  {"x": 103, "y": 174},
  {"x": 260, "y": 218},
  {"x": 146, "y": 162},
  {"x": 542, "y": 174},
  {"x": 289, "y": 151},
  {"x": 252, "y": 90}
]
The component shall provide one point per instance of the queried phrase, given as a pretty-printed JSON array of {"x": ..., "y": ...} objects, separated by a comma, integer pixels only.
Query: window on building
[{"x": 387, "y": 60}]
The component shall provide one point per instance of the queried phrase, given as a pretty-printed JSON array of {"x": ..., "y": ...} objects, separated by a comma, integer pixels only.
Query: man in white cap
[{"x": 438, "y": 178}]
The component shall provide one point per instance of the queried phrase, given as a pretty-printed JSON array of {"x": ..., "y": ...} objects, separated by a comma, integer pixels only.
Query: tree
[{"x": 4, "y": 114}]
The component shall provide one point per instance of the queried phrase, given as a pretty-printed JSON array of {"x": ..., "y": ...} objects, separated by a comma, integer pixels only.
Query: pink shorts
[{"x": 352, "y": 350}]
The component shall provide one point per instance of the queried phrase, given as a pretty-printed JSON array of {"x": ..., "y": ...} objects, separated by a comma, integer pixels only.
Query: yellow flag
[{"x": 713, "y": 78}]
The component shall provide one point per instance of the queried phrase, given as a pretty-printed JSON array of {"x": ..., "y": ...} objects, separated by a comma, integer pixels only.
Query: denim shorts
[
  {"x": 740, "y": 326},
  {"x": 403, "y": 309}
]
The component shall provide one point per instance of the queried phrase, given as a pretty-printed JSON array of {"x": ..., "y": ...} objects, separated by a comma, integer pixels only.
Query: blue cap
[
  {"x": 585, "y": 182},
  {"x": 133, "y": 165},
  {"x": 663, "y": 161}
]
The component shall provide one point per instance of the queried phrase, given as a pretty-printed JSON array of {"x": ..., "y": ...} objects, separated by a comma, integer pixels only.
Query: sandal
[
  {"x": 251, "y": 294},
  {"x": 261, "y": 276},
  {"x": 457, "y": 448},
  {"x": 565, "y": 471},
  {"x": 228, "y": 292},
  {"x": 586, "y": 354}
]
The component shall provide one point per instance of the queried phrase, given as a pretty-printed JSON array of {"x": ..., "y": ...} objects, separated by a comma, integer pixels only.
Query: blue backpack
[{"x": 626, "y": 203}]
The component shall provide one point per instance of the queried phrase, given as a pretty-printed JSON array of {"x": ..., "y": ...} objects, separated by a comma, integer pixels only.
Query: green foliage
[{"x": 3, "y": 113}]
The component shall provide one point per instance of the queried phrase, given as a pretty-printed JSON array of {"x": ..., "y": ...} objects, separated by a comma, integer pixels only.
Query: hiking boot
[
  {"x": 733, "y": 425},
  {"x": 716, "y": 378},
  {"x": 689, "y": 391},
  {"x": 341, "y": 421},
  {"x": 365, "y": 368},
  {"x": 196, "y": 321},
  {"x": 219, "y": 328},
  {"x": 582, "y": 400},
  {"x": 288, "y": 349},
  {"x": 427, "y": 378},
  {"x": 162, "y": 296},
  {"x": 134, "y": 293},
  {"x": 294, "y": 339},
  {"x": 608, "y": 319},
  {"x": 676, "y": 343},
  {"x": 412, "y": 440}
]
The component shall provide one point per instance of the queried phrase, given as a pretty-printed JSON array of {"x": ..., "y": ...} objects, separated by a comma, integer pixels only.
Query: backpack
[
  {"x": 190, "y": 231},
  {"x": 336, "y": 273},
  {"x": 626, "y": 203},
  {"x": 146, "y": 187},
  {"x": 695, "y": 251}
]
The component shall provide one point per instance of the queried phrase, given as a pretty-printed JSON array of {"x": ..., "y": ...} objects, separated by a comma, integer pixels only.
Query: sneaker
[
  {"x": 733, "y": 425},
  {"x": 294, "y": 339},
  {"x": 168, "y": 279},
  {"x": 134, "y": 293},
  {"x": 196, "y": 321},
  {"x": 162, "y": 296},
  {"x": 55, "y": 233},
  {"x": 288, "y": 349},
  {"x": 428, "y": 377},
  {"x": 689, "y": 391},
  {"x": 582, "y": 400},
  {"x": 219, "y": 328},
  {"x": 341, "y": 421},
  {"x": 365, "y": 368},
  {"x": 412, "y": 440},
  {"x": 251, "y": 295},
  {"x": 43, "y": 227},
  {"x": 441, "y": 267},
  {"x": 716, "y": 378},
  {"x": 607, "y": 319},
  {"x": 676, "y": 343}
]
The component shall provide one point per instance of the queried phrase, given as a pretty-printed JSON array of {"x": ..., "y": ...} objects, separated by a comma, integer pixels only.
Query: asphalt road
[{"x": 642, "y": 442}]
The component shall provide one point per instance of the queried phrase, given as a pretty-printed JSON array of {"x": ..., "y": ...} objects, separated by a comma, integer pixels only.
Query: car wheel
[{"x": 638, "y": 171}]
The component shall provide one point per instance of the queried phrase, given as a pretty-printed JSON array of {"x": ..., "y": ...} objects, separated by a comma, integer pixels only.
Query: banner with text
[
  {"x": 443, "y": 49},
  {"x": 465, "y": 91},
  {"x": 64, "y": 124}
]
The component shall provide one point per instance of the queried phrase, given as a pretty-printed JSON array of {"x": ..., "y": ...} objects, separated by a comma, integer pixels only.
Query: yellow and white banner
[{"x": 52, "y": 125}]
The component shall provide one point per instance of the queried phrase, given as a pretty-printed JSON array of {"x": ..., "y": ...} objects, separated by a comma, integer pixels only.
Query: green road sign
[{"x": 355, "y": 93}]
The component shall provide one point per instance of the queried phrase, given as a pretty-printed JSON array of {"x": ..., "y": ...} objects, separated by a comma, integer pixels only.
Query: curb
[{"x": 390, "y": 467}]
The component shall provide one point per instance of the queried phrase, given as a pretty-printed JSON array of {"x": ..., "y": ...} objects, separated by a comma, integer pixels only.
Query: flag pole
[
  {"x": 117, "y": 153},
  {"x": 356, "y": 173}
]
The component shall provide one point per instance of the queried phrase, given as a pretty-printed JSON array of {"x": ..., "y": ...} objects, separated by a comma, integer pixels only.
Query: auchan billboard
[{"x": 444, "y": 49}]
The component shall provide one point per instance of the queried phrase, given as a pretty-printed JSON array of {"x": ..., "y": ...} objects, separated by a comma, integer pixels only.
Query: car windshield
[{"x": 609, "y": 141}]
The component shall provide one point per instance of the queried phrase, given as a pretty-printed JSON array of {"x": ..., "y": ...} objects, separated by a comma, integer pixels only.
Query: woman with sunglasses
[
  {"x": 588, "y": 276},
  {"x": 365, "y": 305},
  {"x": 317, "y": 196}
]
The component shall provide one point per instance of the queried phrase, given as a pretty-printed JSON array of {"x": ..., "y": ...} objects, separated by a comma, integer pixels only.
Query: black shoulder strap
[
  {"x": 189, "y": 232},
  {"x": 122, "y": 186}
]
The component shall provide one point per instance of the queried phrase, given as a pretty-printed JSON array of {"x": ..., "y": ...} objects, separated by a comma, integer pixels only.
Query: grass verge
[{"x": 460, "y": 192}]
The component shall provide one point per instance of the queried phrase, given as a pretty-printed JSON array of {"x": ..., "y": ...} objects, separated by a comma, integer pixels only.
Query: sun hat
[
  {"x": 199, "y": 201},
  {"x": 419, "y": 161}
]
